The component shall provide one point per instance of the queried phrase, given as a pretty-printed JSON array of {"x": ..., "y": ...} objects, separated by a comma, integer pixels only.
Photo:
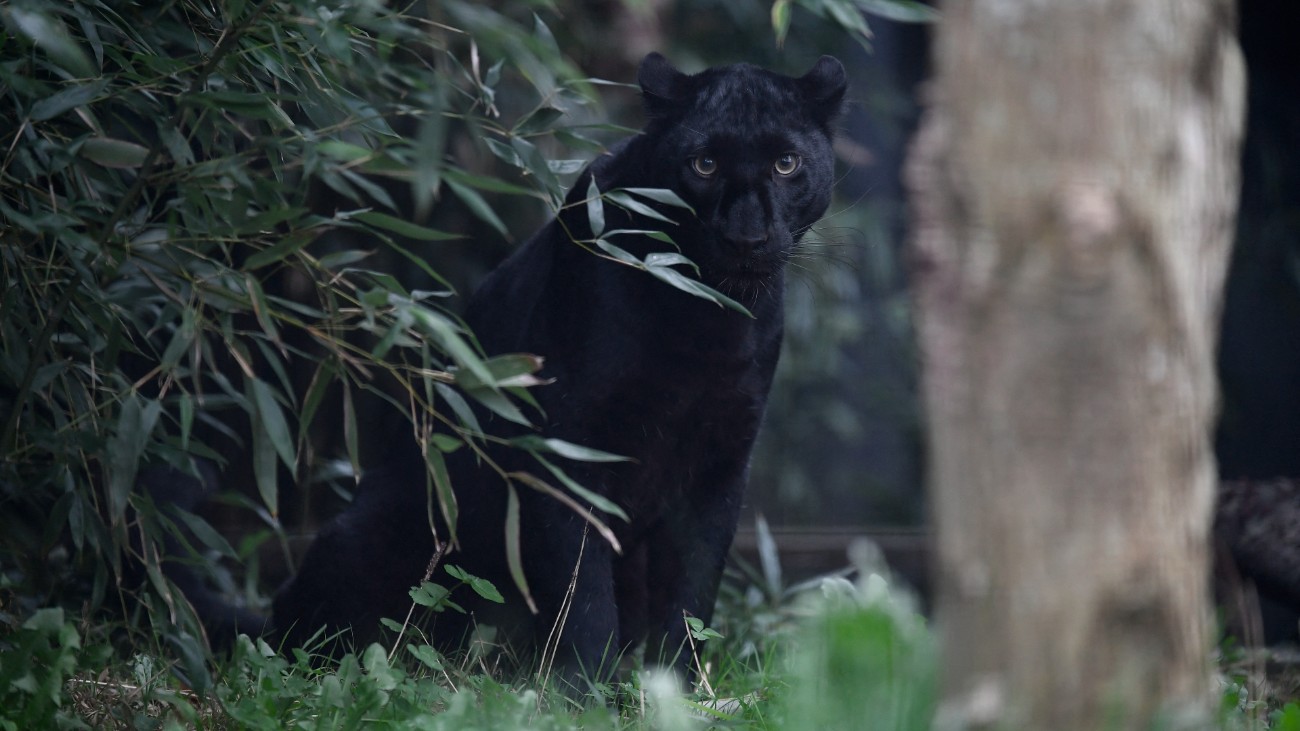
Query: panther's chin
[{"x": 747, "y": 280}]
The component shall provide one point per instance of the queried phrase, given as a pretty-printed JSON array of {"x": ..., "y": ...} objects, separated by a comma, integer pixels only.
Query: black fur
[{"x": 640, "y": 368}]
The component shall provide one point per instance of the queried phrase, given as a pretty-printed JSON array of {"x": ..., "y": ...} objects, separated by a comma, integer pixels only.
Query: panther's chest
[{"x": 683, "y": 433}]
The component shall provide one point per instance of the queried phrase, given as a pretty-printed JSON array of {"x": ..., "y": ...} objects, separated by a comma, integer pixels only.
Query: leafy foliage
[{"x": 195, "y": 195}]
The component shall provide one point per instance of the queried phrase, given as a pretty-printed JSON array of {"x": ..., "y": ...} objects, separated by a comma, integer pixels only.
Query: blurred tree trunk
[{"x": 1075, "y": 184}]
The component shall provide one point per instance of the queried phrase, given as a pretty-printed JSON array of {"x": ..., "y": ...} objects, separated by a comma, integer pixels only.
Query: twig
[
  {"x": 439, "y": 552},
  {"x": 552, "y": 645},
  {"x": 699, "y": 666}
]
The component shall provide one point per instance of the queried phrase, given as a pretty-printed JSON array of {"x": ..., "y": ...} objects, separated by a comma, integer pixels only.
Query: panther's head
[{"x": 750, "y": 151}]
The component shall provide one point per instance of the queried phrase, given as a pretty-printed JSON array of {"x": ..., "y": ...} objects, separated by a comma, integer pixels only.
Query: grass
[
  {"x": 821, "y": 655},
  {"x": 774, "y": 657}
]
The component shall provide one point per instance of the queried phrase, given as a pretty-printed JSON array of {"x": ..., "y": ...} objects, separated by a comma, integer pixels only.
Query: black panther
[{"x": 638, "y": 368}]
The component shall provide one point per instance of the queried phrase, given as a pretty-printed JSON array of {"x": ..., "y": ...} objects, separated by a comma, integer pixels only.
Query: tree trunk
[{"x": 1075, "y": 185}]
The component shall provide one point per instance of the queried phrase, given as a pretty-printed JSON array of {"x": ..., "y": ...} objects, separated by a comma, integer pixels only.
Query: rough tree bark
[{"x": 1074, "y": 185}]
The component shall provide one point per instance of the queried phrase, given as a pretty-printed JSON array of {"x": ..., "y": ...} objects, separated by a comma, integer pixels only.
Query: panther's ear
[
  {"x": 661, "y": 85},
  {"x": 823, "y": 86}
]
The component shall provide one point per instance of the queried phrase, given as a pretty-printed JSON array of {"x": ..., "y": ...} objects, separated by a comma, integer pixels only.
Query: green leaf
[
  {"x": 578, "y": 509},
  {"x": 284, "y": 247},
  {"x": 321, "y": 380},
  {"x": 206, "y": 534},
  {"x": 902, "y": 11},
  {"x": 595, "y": 209},
  {"x": 350, "y": 429},
  {"x": 261, "y": 310},
  {"x": 492, "y": 185},
  {"x": 443, "y": 494},
  {"x": 402, "y": 227},
  {"x": 499, "y": 404},
  {"x": 446, "y": 443},
  {"x": 509, "y": 370},
  {"x": 344, "y": 151},
  {"x": 660, "y": 195},
  {"x": 656, "y": 235},
  {"x": 70, "y": 98},
  {"x": 342, "y": 259},
  {"x": 781, "y": 21},
  {"x": 668, "y": 259},
  {"x": 535, "y": 164},
  {"x": 619, "y": 253},
  {"x": 429, "y": 594},
  {"x": 697, "y": 288},
  {"x": 187, "y": 419},
  {"x": 427, "y": 655},
  {"x": 47, "y": 621},
  {"x": 622, "y": 199},
  {"x": 538, "y": 120},
  {"x": 51, "y": 36},
  {"x": 448, "y": 336},
  {"x": 265, "y": 474},
  {"x": 514, "y": 556},
  {"x": 566, "y": 449},
  {"x": 113, "y": 153},
  {"x": 849, "y": 17},
  {"x": 459, "y": 406},
  {"x": 699, "y": 632},
  {"x": 478, "y": 206},
  {"x": 135, "y": 425},
  {"x": 598, "y": 501},
  {"x": 482, "y": 587},
  {"x": 271, "y": 419}
]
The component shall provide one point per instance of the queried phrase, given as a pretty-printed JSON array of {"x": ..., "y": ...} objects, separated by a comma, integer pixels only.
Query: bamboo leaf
[
  {"x": 538, "y": 120},
  {"x": 499, "y": 404},
  {"x": 697, "y": 288},
  {"x": 443, "y": 494},
  {"x": 660, "y": 195},
  {"x": 286, "y": 246},
  {"x": 478, "y": 206},
  {"x": 402, "y": 227},
  {"x": 902, "y": 11},
  {"x": 206, "y": 534},
  {"x": 265, "y": 474},
  {"x": 668, "y": 259},
  {"x": 544, "y": 487},
  {"x": 459, "y": 407},
  {"x": 566, "y": 449},
  {"x": 514, "y": 556},
  {"x": 511, "y": 369},
  {"x": 595, "y": 209},
  {"x": 135, "y": 425},
  {"x": 51, "y": 36},
  {"x": 448, "y": 336},
  {"x": 271, "y": 419},
  {"x": 781, "y": 21},
  {"x": 70, "y": 98},
  {"x": 261, "y": 310},
  {"x": 624, "y": 200},
  {"x": 598, "y": 501},
  {"x": 113, "y": 153},
  {"x": 350, "y": 429},
  {"x": 619, "y": 253}
]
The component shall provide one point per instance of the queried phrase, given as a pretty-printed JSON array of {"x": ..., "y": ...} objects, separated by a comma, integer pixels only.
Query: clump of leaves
[
  {"x": 863, "y": 652},
  {"x": 36, "y": 659},
  {"x": 177, "y": 290}
]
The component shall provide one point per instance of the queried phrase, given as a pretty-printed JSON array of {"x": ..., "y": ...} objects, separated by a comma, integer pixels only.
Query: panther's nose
[{"x": 747, "y": 243}]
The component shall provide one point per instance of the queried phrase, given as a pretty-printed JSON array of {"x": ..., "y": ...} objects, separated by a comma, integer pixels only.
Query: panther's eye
[
  {"x": 786, "y": 164},
  {"x": 704, "y": 165}
]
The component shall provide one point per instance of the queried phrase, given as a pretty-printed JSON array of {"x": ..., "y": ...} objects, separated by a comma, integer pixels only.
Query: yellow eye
[
  {"x": 704, "y": 165},
  {"x": 786, "y": 164}
]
